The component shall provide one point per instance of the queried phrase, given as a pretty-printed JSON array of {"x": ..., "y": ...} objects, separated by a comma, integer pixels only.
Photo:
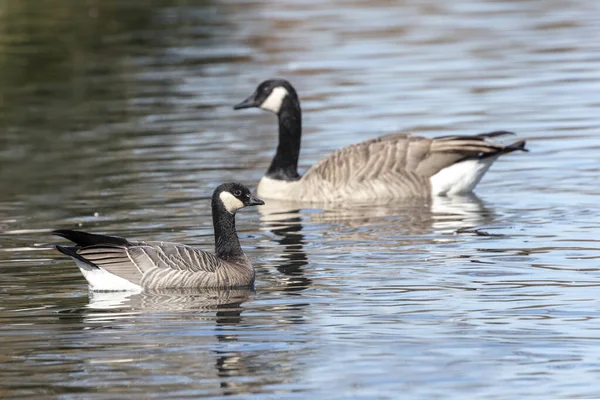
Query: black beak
[
  {"x": 248, "y": 103},
  {"x": 255, "y": 201}
]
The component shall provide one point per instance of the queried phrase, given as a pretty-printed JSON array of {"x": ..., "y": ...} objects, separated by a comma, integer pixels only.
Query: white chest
[{"x": 277, "y": 189}]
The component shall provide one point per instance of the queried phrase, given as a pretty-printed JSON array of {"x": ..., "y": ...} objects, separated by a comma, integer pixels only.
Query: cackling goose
[{"x": 114, "y": 263}]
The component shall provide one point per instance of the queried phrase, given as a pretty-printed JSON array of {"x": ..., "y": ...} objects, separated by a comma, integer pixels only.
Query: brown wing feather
[
  {"x": 181, "y": 257},
  {"x": 361, "y": 161},
  {"x": 400, "y": 156},
  {"x": 134, "y": 261},
  {"x": 114, "y": 259}
]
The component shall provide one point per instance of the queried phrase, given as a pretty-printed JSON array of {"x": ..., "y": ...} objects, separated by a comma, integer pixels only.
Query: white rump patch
[
  {"x": 101, "y": 279},
  {"x": 232, "y": 203},
  {"x": 273, "y": 102},
  {"x": 460, "y": 178}
]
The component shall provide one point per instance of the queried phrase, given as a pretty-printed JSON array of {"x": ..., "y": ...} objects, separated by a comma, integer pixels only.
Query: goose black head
[
  {"x": 270, "y": 96},
  {"x": 234, "y": 196}
]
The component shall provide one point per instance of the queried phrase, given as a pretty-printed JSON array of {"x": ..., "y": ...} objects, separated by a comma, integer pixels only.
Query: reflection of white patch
[
  {"x": 232, "y": 204},
  {"x": 452, "y": 212},
  {"x": 101, "y": 279},
  {"x": 460, "y": 178},
  {"x": 107, "y": 300},
  {"x": 273, "y": 102}
]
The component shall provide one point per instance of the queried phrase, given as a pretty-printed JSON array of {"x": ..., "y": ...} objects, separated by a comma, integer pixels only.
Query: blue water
[{"x": 117, "y": 118}]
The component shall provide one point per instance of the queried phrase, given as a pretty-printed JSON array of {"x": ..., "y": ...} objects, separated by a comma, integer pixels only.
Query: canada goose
[
  {"x": 115, "y": 263},
  {"x": 382, "y": 169}
]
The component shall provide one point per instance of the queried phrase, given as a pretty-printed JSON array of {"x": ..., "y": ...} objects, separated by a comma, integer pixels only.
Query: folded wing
[{"x": 402, "y": 162}]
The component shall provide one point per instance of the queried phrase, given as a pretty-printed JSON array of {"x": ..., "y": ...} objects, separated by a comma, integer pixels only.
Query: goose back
[
  {"x": 163, "y": 265},
  {"x": 190, "y": 267}
]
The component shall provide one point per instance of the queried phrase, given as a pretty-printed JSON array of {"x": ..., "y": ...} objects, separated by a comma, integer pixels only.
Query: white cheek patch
[
  {"x": 231, "y": 203},
  {"x": 273, "y": 102}
]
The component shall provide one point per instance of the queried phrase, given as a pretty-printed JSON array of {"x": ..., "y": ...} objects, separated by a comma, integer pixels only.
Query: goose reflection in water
[
  {"x": 171, "y": 300},
  {"x": 291, "y": 257},
  {"x": 106, "y": 310},
  {"x": 409, "y": 217}
]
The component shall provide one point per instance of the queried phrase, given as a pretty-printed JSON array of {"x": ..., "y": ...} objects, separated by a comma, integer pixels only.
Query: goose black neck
[
  {"x": 227, "y": 244},
  {"x": 285, "y": 163}
]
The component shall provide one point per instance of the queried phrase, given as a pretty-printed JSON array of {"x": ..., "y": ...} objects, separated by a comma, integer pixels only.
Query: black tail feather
[
  {"x": 495, "y": 134},
  {"x": 516, "y": 146},
  {"x": 480, "y": 136},
  {"x": 89, "y": 239},
  {"x": 67, "y": 250},
  {"x": 71, "y": 251}
]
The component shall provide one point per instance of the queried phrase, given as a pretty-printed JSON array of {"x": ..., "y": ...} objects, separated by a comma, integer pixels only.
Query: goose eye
[{"x": 237, "y": 193}]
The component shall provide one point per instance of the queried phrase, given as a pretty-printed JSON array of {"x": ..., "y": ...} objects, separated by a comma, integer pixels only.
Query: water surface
[{"x": 116, "y": 118}]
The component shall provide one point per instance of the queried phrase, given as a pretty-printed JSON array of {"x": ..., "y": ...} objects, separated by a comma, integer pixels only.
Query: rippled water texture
[{"x": 116, "y": 117}]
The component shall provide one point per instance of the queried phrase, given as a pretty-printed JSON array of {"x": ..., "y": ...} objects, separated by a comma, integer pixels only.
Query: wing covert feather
[{"x": 397, "y": 155}]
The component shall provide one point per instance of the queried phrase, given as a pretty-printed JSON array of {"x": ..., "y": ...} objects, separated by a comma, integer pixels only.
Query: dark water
[{"x": 115, "y": 117}]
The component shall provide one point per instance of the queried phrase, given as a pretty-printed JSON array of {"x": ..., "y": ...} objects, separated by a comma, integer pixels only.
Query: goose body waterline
[
  {"x": 383, "y": 169},
  {"x": 114, "y": 263}
]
